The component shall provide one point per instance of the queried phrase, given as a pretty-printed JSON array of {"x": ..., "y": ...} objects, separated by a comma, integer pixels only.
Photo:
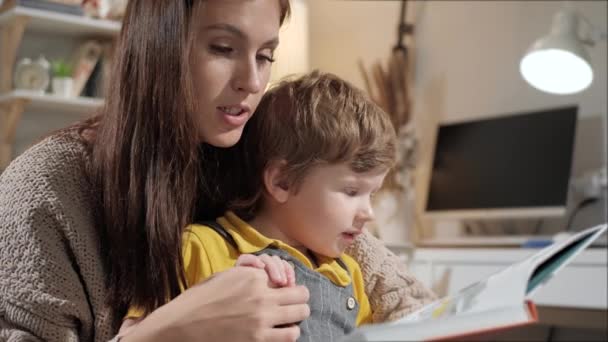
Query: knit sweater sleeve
[
  {"x": 51, "y": 277},
  {"x": 392, "y": 291}
]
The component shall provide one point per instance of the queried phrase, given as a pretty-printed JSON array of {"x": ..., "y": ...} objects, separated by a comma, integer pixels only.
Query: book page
[
  {"x": 503, "y": 289},
  {"x": 510, "y": 286}
]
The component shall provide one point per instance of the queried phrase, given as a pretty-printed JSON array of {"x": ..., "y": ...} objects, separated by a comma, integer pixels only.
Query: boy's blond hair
[{"x": 313, "y": 120}]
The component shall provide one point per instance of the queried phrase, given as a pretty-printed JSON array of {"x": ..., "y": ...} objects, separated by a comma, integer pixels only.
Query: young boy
[{"x": 315, "y": 152}]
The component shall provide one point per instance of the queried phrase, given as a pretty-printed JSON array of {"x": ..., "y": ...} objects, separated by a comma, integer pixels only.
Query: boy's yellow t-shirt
[{"x": 205, "y": 252}]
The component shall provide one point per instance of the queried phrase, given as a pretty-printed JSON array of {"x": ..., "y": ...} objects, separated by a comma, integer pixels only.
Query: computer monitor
[{"x": 508, "y": 166}]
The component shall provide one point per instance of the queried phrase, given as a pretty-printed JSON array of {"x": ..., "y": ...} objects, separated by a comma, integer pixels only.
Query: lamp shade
[{"x": 558, "y": 63}]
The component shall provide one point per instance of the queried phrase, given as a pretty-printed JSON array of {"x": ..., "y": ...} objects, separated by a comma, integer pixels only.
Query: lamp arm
[{"x": 404, "y": 28}]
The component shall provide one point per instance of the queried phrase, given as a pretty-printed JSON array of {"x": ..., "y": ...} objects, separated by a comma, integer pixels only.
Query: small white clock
[{"x": 32, "y": 75}]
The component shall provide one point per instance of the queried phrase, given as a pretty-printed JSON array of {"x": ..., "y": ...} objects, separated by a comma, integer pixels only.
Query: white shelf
[
  {"x": 66, "y": 24},
  {"x": 49, "y": 103}
]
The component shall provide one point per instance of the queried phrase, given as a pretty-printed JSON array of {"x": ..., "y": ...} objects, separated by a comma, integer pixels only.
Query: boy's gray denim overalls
[{"x": 333, "y": 309}]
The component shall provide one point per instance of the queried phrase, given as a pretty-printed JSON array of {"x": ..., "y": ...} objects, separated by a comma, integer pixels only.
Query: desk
[{"x": 580, "y": 287}]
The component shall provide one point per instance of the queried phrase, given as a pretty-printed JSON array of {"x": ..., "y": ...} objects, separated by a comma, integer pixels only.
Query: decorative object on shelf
[
  {"x": 591, "y": 187},
  {"x": 62, "y": 82},
  {"x": 105, "y": 9},
  {"x": 593, "y": 183},
  {"x": 22, "y": 87},
  {"x": 395, "y": 202},
  {"x": 97, "y": 83},
  {"x": 559, "y": 63},
  {"x": 60, "y": 6},
  {"x": 85, "y": 58},
  {"x": 32, "y": 75}
]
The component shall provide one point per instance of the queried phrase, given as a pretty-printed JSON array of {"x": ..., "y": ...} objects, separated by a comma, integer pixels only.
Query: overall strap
[
  {"x": 221, "y": 231},
  {"x": 338, "y": 260}
]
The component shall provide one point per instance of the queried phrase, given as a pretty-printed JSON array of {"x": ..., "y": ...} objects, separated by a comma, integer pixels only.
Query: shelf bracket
[
  {"x": 10, "y": 114},
  {"x": 11, "y": 39},
  {"x": 8, "y": 4}
]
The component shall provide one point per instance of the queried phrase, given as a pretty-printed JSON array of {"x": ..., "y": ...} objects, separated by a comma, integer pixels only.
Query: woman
[{"x": 91, "y": 217}]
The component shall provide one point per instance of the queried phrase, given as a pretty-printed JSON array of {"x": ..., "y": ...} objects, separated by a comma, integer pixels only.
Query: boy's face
[{"x": 331, "y": 208}]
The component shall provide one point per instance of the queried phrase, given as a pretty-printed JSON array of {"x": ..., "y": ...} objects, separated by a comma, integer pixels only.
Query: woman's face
[{"x": 231, "y": 59}]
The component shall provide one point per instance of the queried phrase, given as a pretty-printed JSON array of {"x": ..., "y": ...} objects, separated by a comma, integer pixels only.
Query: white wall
[
  {"x": 342, "y": 32},
  {"x": 474, "y": 47},
  {"x": 466, "y": 57},
  {"x": 477, "y": 47},
  {"x": 292, "y": 55}
]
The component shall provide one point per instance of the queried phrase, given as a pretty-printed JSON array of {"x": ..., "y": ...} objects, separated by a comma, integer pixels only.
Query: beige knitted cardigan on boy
[{"x": 51, "y": 276}]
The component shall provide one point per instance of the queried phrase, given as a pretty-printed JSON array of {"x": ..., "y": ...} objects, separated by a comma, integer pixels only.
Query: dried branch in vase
[{"x": 390, "y": 90}]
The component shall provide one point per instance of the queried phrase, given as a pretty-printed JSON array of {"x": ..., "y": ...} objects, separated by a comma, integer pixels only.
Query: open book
[{"x": 499, "y": 302}]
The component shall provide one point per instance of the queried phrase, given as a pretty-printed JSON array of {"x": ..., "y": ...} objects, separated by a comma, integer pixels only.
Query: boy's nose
[{"x": 365, "y": 215}]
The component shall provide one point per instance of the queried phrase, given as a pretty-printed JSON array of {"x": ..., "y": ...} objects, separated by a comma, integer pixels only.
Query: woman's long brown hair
[{"x": 148, "y": 164}]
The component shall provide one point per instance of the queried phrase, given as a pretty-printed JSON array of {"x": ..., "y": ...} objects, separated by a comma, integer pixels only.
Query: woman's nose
[{"x": 248, "y": 77}]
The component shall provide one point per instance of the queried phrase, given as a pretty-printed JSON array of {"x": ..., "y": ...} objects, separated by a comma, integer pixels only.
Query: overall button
[{"x": 350, "y": 303}]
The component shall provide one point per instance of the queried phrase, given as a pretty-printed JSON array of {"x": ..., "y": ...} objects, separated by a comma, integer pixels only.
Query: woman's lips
[{"x": 234, "y": 115}]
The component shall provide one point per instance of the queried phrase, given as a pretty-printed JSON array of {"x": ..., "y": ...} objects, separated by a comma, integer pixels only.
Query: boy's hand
[{"x": 280, "y": 272}]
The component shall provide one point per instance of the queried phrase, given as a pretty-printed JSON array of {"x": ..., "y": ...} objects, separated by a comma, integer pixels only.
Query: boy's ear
[{"x": 276, "y": 186}]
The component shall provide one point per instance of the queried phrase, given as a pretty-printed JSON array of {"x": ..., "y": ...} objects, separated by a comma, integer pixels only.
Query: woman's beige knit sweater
[{"x": 51, "y": 275}]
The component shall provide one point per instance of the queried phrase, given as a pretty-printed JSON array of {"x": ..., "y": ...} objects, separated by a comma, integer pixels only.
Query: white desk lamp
[{"x": 558, "y": 63}]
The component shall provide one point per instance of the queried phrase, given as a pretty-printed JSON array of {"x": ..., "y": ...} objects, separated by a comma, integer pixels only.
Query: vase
[
  {"x": 62, "y": 86},
  {"x": 394, "y": 212}
]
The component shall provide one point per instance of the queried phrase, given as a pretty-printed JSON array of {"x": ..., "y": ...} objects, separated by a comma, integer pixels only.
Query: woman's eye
[
  {"x": 265, "y": 59},
  {"x": 221, "y": 49}
]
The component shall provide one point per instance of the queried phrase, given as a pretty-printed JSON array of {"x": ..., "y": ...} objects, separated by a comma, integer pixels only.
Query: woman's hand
[
  {"x": 234, "y": 305},
  {"x": 279, "y": 271},
  {"x": 128, "y": 325}
]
